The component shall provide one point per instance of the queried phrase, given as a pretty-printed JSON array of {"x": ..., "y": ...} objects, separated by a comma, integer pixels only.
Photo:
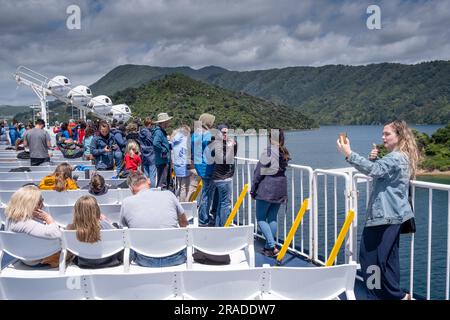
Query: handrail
[
  {"x": 340, "y": 239},
  {"x": 292, "y": 231},
  {"x": 236, "y": 206}
]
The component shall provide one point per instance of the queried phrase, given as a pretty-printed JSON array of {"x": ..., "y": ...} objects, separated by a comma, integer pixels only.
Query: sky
[{"x": 233, "y": 34}]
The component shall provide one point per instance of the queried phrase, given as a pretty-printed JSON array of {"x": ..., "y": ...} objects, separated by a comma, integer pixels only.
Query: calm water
[{"x": 317, "y": 148}]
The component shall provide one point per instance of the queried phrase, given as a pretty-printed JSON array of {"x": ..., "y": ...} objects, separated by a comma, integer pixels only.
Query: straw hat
[{"x": 162, "y": 117}]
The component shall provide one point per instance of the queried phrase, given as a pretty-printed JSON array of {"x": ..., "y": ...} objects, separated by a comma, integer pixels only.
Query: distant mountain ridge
[{"x": 333, "y": 94}]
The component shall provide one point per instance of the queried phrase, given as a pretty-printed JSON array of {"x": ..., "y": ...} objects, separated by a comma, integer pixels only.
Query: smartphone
[{"x": 343, "y": 137}]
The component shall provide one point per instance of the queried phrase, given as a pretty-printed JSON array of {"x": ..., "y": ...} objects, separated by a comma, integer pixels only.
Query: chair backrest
[
  {"x": 223, "y": 284},
  {"x": 25, "y": 247},
  {"x": 2, "y": 215},
  {"x": 112, "y": 241},
  {"x": 221, "y": 240},
  {"x": 38, "y": 175},
  {"x": 157, "y": 242},
  {"x": 63, "y": 214},
  {"x": 155, "y": 286},
  {"x": 113, "y": 196},
  {"x": 315, "y": 283},
  {"x": 191, "y": 211},
  {"x": 43, "y": 288}
]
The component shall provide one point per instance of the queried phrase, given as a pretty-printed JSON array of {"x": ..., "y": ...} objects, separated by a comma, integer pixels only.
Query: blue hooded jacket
[
  {"x": 161, "y": 146},
  {"x": 147, "y": 150}
]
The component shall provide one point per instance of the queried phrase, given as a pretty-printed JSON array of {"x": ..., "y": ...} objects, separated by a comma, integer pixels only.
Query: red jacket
[{"x": 132, "y": 163}]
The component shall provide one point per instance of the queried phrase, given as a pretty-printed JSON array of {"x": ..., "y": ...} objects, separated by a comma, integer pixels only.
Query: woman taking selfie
[{"x": 387, "y": 209}]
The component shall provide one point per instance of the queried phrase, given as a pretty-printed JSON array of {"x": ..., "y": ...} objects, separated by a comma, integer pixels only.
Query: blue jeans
[
  {"x": 223, "y": 188},
  {"x": 118, "y": 159},
  {"x": 266, "y": 215},
  {"x": 150, "y": 172},
  {"x": 208, "y": 188},
  {"x": 151, "y": 262}
]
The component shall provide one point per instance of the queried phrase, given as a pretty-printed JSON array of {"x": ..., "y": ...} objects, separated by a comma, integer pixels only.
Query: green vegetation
[
  {"x": 185, "y": 99},
  {"x": 437, "y": 150},
  {"x": 333, "y": 94}
]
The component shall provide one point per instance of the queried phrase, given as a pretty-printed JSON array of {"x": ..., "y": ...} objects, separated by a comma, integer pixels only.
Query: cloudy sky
[{"x": 234, "y": 34}]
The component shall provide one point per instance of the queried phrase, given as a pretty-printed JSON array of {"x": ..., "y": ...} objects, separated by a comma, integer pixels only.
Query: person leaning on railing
[{"x": 387, "y": 209}]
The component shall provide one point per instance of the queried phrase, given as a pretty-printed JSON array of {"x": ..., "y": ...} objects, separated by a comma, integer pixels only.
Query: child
[{"x": 132, "y": 159}]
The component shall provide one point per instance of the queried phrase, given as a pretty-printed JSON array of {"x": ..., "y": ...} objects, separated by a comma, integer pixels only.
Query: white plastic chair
[
  {"x": 25, "y": 247},
  {"x": 44, "y": 288},
  {"x": 112, "y": 241},
  {"x": 156, "y": 286},
  {"x": 222, "y": 241},
  {"x": 222, "y": 284},
  {"x": 315, "y": 283},
  {"x": 191, "y": 212},
  {"x": 156, "y": 243}
]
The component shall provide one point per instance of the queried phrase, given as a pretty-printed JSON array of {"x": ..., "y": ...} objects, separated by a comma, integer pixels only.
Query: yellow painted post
[
  {"x": 334, "y": 252},
  {"x": 197, "y": 191},
  {"x": 287, "y": 241},
  {"x": 237, "y": 205}
]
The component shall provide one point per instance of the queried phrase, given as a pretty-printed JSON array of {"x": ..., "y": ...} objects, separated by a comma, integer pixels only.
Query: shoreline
[{"x": 435, "y": 172}]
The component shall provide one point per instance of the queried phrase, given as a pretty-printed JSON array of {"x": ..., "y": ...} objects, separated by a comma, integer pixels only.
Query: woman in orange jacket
[{"x": 60, "y": 180}]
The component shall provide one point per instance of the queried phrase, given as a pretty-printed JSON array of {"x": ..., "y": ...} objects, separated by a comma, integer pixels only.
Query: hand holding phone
[{"x": 343, "y": 137}]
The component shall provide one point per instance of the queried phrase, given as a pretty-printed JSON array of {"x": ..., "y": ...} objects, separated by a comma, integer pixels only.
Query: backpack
[
  {"x": 206, "y": 258},
  {"x": 23, "y": 155},
  {"x": 20, "y": 169}
]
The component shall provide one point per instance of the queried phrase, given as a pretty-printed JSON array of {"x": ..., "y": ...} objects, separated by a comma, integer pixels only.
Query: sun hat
[{"x": 162, "y": 117}]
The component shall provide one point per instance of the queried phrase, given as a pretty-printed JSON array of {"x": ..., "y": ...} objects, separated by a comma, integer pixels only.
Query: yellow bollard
[
  {"x": 298, "y": 219},
  {"x": 197, "y": 191},
  {"x": 236, "y": 206},
  {"x": 334, "y": 252}
]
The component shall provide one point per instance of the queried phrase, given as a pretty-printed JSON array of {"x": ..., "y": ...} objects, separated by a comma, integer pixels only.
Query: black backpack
[{"x": 23, "y": 155}]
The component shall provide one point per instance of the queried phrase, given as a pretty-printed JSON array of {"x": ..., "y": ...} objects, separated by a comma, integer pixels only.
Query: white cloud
[{"x": 234, "y": 34}]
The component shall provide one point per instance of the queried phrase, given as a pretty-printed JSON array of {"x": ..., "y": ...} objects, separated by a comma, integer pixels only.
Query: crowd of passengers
[{"x": 148, "y": 157}]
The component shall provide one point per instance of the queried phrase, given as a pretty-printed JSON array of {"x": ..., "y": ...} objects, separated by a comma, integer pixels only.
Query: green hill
[
  {"x": 333, "y": 94},
  {"x": 8, "y": 112},
  {"x": 185, "y": 99}
]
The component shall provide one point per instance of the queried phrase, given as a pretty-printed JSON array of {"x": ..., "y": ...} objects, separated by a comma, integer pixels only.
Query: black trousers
[
  {"x": 380, "y": 262},
  {"x": 164, "y": 177},
  {"x": 38, "y": 161}
]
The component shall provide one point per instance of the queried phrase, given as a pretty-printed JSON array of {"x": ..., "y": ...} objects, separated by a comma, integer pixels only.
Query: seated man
[{"x": 152, "y": 209}]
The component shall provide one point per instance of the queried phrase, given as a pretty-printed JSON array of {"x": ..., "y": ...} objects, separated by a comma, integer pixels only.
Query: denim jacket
[{"x": 388, "y": 202}]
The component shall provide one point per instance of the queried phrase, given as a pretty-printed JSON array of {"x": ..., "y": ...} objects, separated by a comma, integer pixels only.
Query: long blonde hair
[
  {"x": 86, "y": 219},
  {"x": 63, "y": 171},
  {"x": 407, "y": 144},
  {"x": 23, "y": 202}
]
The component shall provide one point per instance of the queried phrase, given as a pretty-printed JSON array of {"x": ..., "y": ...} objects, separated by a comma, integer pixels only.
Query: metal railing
[{"x": 335, "y": 192}]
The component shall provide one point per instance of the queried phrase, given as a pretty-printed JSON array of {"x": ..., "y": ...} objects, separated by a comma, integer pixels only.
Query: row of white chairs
[
  {"x": 12, "y": 163},
  {"x": 314, "y": 283},
  {"x": 13, "y": 185},
  {"x": 7, "y": 167},
  {"x": 38, "y": 175},
  {"x": 63, "y": 215},
  {"x": 51, "y": 198},
  {"x": 234, "y": 241}
]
